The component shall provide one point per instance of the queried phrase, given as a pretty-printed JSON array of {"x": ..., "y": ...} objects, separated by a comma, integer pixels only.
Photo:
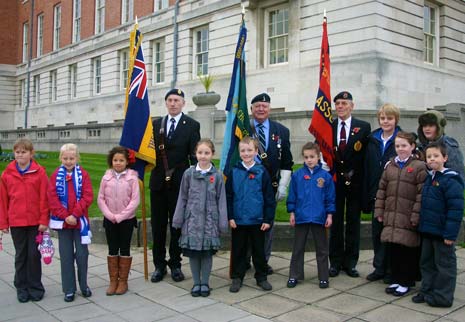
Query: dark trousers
[
  {"x": 71, "y": 249},
  {"x": 404, "y": 264},
  {"x": 380, "y": 259},
  {"x": 119, "y": 237},
  {"x": 28, "y": 269},
  {"x": 438, "y": 266},
  {"x": 241, "y": 236},
  {"x": 344, "y": 246},
  {"x": 163, "y": 205},
  {"x": 321, "y": 245}
]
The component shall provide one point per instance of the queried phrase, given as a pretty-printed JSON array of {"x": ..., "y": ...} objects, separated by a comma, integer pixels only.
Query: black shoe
[
  {"x": 36, "y": 298},
  {"x": 204, "y": 290},
  {"x": 69, "y": 297},
  {"x": 195, "y": 291},
  {"x": 391, "y": 289},
  {"x": 431, "y": 302},
  {"x": 158, "y": 275},
  {"x": 177, "y": 275},
  {"x": 324, "y": 284},
  {"x": 291, "y": 283},
  {"x": 352, "y": 272},
  {"x": 374, "y": 276},
  {"x": 333, "y": 271},
  {"x": 265, "y": 285},
  {"x": 23, "y": 297},
  {"x": 269, "y": 270},
  {"x": 419, "y": 298},
  {"x": 87, "y": 292},
  {"x": 399, "y": 293},
  {"x": 236, "y": 285}
]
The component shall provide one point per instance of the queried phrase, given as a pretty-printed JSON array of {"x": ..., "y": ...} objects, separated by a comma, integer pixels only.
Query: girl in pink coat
[{"x": 118, "y": 199}]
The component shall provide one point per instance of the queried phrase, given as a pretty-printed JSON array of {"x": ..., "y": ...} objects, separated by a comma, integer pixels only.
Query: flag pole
[{"x": 144, "y": 228}]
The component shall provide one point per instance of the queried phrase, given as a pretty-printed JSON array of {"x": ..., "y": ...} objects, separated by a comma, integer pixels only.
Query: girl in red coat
[
  {"x": 70, "y": 196},
  {"x": 24, "y": 211}
]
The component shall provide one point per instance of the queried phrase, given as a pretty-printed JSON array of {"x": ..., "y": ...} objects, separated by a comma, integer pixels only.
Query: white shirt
[
  {"x": 246, "y": 167},
  {"x": 202, "y": 171},
  {"x": 347, "y": 127},
  {"x": 176, "y": 121}
]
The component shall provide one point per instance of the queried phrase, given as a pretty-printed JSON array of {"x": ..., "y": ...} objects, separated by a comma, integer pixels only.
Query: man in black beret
[
  {"x": 176, "y": 136},
  {"x": 274, "y": 153},
  {"x": 350, "y": 137}
]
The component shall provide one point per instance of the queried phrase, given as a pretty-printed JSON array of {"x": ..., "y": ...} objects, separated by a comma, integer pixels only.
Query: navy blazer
[
  {"x": 179, "y": 151},
  {"x": 352, "y": 157}
]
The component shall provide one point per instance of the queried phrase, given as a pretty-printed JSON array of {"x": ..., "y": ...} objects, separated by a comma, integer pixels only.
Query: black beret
[
  {"x": 343, "y": 95},
  {"x": 263, "y": 97},
  {"x": 174, "y": 91}
]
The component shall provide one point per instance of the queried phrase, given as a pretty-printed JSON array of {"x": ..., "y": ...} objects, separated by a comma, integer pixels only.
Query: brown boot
[
  {"x": 124, "y": 267},
  {"x": 113, "y": 272}
]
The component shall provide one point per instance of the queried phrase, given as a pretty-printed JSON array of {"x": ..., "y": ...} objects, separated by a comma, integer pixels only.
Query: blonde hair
[
  {"x": 389, "y": 110},
  {"x": 248, "y": 140},
  {"x": 70, "y": 147},
  {"x": 24, "y": 143}
]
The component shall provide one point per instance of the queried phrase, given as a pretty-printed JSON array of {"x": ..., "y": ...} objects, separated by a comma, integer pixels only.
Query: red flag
[{"x": 321, "y": 124}]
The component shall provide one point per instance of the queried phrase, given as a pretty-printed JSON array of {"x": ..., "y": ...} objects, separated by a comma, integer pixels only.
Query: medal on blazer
[{"x": 358, "y": 146}]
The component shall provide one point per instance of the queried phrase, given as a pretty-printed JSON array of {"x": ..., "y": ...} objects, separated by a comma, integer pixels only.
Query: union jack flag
[{"x": 137, "y": 129}]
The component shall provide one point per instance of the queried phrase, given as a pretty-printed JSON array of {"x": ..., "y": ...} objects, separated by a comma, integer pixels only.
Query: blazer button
[{"x": 342, "y": 162}]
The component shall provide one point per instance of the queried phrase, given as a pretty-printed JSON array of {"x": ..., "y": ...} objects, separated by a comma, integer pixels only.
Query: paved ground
[{"x": 347, "y": 299}]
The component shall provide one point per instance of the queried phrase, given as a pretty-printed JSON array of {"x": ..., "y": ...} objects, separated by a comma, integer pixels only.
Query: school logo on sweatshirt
[{"x": 320, "y": 182}]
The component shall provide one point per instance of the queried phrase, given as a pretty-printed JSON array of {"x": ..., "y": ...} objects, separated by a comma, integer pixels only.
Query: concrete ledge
[{"x": 282, "y": 240}]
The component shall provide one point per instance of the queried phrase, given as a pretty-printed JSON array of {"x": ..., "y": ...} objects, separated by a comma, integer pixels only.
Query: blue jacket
[
  {"x": 312, "y": 196},
  {"x": 250, "y": 195},
  {"x": 442, "y": 205}
]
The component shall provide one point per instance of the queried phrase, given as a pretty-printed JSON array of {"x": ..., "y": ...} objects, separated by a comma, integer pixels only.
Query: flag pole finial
[
  {"x": 324, "y": 13},
  {"x": 243, "y": 11},
  {"x": 138, "y": 23}
]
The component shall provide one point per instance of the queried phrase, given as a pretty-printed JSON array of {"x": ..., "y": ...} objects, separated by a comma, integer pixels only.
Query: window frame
[
  {"x": 433, "y": 36},
  {"x": 77, "y": 9},
  {"x": 123, "y": 67},
  {"x": 268, "y": 38},
  {"x": 97, "y": 75},
  {"x": 36, "y": 89},
  {"x": 56, "y": 26},
  {"x": 99, "y": 16},
  {"x": 25, "y": 41},
  {"x": 23, "y": 98},
  {"x": 158, "y": 55},
  {"x": 53, "y": 89},
  {"x": 40, "y": 35},
  {"x": 160, "y": 5},
  {"x": 196, "y": 53},
  {"x": 127, "y": 11},
  {"x": 73, "y": 80}
]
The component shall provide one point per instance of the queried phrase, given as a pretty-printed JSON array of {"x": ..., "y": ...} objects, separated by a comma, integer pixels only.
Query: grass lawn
[{"x": 96, "y": 165}]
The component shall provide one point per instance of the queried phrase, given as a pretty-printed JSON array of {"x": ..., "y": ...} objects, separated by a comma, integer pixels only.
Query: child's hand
[
  {"x": 329, "y": 221},
  {"x": 380, "y": 218},
  {"x": 232, "y": 223},
  {"x": 265, "y": 227},
  {"x": 292, "y": 219},
  {"x": 448, "y": 242},
  {"x": 42, "y": 228},
  {"x": 6, "y": 231},
  {"x": 71, "y": 220}
]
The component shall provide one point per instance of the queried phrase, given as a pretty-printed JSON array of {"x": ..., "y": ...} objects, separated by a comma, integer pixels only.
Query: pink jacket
[
  {"x": 118, "y": 198},
  {"x": 23, "y": 198}
]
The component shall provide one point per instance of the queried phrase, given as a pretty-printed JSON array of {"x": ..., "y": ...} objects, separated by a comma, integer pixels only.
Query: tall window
[
  {"x": 99, "y": 16},
  {"x": 40, "y": 35},
  {"x": 52, "y": 91},
  {"x": 430, "y": 32},
  {"x": 277, "y": 34},
  {"x": 56, "y": 27},
  {"x": 126, "y": 10},
  {"x": 124, "y": 67},
  {"x": 36, "y": 89},
  {"x": 96, "y": 75},
  {"x": 73, "y": 81},
  {"x": 25, "y": 41},
  {"x": 76, "y": 20},
  {"x": 23, "y": 92},
  {"x": 161, "y": 4},
  {"x": 201, "y": 51},
  {"x": 159, "y": 61}
]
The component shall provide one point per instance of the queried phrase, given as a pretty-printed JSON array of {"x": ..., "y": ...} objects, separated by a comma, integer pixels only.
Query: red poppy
[
  {"x": 251, "y": 176},
  {"x": 356, "y": 129},
  {"x": 132, "y": 156},
  {"x": 212, "y": 179},
  {"x": 306, "y": 177},
  {"x": 409, "y": 169},
  {"x": 435, "y": 183}
]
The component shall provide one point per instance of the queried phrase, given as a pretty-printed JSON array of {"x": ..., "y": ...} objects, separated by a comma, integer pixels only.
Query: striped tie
[
  {"x": 261, "y": 136},
  {"x": 171, "y": 131}
]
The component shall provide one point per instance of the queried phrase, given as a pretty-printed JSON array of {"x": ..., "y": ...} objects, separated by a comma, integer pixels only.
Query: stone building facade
[{"x": 63, "y": 64}]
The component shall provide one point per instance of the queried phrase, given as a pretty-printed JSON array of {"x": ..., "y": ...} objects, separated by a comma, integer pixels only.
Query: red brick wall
[
  {"x": 9, "y": 42},
  {"x": 87, "y": 18},
  {"x": 143, "y": 8}
]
